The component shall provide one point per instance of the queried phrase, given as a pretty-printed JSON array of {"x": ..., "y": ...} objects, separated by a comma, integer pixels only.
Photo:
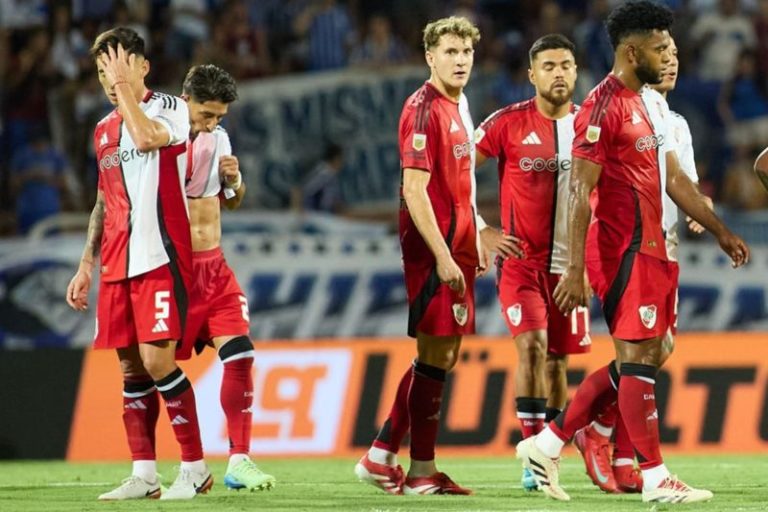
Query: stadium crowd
[{"x": 50, "y": 96}]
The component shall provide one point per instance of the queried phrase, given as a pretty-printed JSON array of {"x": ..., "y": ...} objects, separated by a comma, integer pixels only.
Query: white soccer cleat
[
  {"x": 188, "y": 485},
  {"x": 133, "y": 488},
  {"x": 672, "y": 490},
  {"x": 546, "y": 471}
]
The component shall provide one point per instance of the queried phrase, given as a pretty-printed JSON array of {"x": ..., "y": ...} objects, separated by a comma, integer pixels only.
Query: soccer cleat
[
  {"x": 596, "y": 452},
  {"x": 188, "y": 485},
  {"x": 628, "y": 478},
  {"x": 133, "y": 488},
  {"x": 672, "y": 490},
  {"x": 528, "y": 481},
  {"x": 387, "y": 478},
  {"x": 545, "y": 471},
  {"x": 247, "y": 475},
  {"x": 439, "y": 483}
]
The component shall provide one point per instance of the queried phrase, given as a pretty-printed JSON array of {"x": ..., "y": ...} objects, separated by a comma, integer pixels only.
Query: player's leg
[
  {"x": 141, "y": 407},
  {"x": 557, "y": 377},
  {"x": 159, "y": 305}
]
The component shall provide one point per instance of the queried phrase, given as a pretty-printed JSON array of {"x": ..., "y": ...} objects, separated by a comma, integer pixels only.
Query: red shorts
[
  {"x": 637, "y": 293},
  {"x": 526, "y": 301},
  {"x": 149, "y": 307},
  {"x": 433, "y": 308},
  {"x": 219, "y": 306}
]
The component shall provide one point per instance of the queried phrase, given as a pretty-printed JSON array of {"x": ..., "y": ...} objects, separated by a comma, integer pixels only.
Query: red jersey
[
  {"x": 534, "y": 155},
  {"x": 146, "y": 224},
  {"x": 436, "y": 136},
  {"x": 613, "y": 129}
]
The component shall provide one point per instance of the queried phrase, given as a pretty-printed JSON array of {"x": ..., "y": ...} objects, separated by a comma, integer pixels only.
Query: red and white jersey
[
  {"x": 203, "y": 153},
  {"x": 613, "y": 129},
  {"x": 534, "y": 155},
  {"x": 146, "y": 222},
  {"x": 436, "y": 136}
]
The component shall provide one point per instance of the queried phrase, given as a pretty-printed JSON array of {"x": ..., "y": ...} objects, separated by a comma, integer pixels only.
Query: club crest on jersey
[
  {"x": 648, "y": 316},
  {"x": 461, "y": 314},
  {"x": 419, "y": 141},
  {"x": 593, "y": 133},
  {"x": 479, "y": 134},
  {"x": 515, "y": 314}
]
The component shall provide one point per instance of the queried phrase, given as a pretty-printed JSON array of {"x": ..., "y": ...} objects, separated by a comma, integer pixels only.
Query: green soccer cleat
[{"x": 247, "y": 475}]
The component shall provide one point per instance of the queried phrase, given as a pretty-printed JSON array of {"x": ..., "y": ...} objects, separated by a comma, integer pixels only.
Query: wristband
[{"x": 237, "y": 183}]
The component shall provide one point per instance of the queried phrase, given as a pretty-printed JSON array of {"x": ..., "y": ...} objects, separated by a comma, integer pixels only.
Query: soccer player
[
  {"x": 532, "y": 142},
  {"x": 617, "y": 154},
  {"x": 438, "y": 235},
  {"x": 219, "y": 312},
  {"x": 593, "y": 441},
  {"x": 140, "y": 228}
]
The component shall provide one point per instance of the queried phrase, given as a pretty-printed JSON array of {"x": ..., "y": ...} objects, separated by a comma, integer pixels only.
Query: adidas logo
[
  {"x": 532, "y": 138},
  {"x": 160, "y": 326},
  {"x": 179, "y": 420},
  {"x": 136, "y": 404},
  {"x": 653, "y": 416},
  {"x": 454, "y": 126},
  {"x": 585, "y": 341},
  {"x": 636, "y": 118}
]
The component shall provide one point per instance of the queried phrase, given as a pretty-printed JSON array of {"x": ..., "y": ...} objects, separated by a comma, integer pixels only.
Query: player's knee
[
  {"x": 131, "y": 365},
  {"x": 532, "y": 350},
  {"x": 556, "y": 365},
  {"x": 159, "y": 363},
  {"x": 239, "y": 347}
]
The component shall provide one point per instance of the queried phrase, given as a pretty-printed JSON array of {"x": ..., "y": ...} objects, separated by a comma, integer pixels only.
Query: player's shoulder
[
  {"x": 220, "y": 132},
  {"x": 166, "y": 101},
  {"x": 419, "y": 107},
  {"x": 111, "y": 117},
  {"x": 510, "y": 112},
  {"x": 678, "y": 119},
  {"x": 604, "y": 92}
]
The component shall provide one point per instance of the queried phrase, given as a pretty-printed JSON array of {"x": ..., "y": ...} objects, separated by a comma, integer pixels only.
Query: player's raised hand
[
  {"x": 570, "y": 292},
  {"x": 494, "y": 240},
  {"x": 449, "y": 273},
  {"x": 695, "y": 226},
  {"x": 120, "y": 66},
  {"x": 735, "y": 248},
  {"x": 77, "y": 290}
]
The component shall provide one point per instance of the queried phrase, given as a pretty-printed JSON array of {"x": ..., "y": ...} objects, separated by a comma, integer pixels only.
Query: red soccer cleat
[
  {"x": 387, "y": 478},
  {"x": 628, "y": 478},
  {"x": 596, "y": 452},
  {"x": 439, "y": 483}
]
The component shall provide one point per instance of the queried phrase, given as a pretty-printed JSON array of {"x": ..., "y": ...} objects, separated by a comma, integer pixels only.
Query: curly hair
[
  {"x": 454, "y": 25},
  {"x": 207, "y": 82},
  {"x": 642, "y": 16},
  {"x": 551, "y": 42},
  {"x": 127, "y": 37}
]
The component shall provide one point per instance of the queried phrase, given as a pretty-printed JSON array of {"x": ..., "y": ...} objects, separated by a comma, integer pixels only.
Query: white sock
[
  {"x": 235, "y": 459},
  {"x": 623, "y": 462},
  {"x": 382, "y": 456},
  {"x": 602, "y": 429},
  {"x": 146, "y": 470},
  {"x": 198, "y": 466},
  {"x": 549, "y": 444},
  {"x": 654, "y": 476}
]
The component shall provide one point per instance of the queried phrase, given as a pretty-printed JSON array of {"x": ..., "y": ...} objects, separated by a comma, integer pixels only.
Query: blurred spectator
[
  {"x": 380, "y": 47},
  {"x": 69, "y": 50},
  {"x": 592, "y": 42},
  {"x": 720, "y": 38},
  {"x": 743, "y": 106},
  {"x": 38, "y": 181},
  {"x": 320, "y": 190},
  {"x": 134, "y": 15},
  {"x": 761, "y": 32},
  {"x": 246, "y": 44},
  {"x": 189, "y": 26},
  {"x": 741, "y": 188},
  {"x": 328, "y": 31},
  {"x": 22, "y": 14}
]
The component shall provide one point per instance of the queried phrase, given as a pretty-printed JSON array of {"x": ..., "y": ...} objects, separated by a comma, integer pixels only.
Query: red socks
[
  {"x": 531, "y": 413},
  {"x": 637, "y": 404},
  {"x": 141, "y": 407},
  {"x": 180, "y": 404},
  {"x": 396, "y": 426},
  {"x": 424, "y": 402}
]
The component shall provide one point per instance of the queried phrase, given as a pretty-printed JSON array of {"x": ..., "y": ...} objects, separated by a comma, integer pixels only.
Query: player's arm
[
  {"x": 233, "y": 190},
  {"x": 415, "y": 183},
  {"x": 761, "y": 168},
  {"x": 77, "y": 290},
  {"x": 571, "y": 291},
  {"x": 686, "y": 195}
]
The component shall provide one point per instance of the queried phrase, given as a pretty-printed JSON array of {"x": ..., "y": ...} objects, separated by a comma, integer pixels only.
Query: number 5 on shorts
[{"x": 162, "y": 305}]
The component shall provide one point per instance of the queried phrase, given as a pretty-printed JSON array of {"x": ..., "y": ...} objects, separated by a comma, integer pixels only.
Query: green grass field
[{"x": 740, "y": 483}]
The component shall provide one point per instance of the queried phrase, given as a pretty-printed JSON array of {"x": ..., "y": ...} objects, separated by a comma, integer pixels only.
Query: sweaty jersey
[
  {"x": 534, "y": 155},
  {"x": 436, "y": 136},
  {"x": 613, "y": 129},
  {"x": 146, "y": 224},
  {"x": 203, "y": 153},
  {"x": 681, "y": 142}
]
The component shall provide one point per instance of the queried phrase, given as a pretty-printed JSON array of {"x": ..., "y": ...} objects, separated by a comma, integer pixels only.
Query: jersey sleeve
[
  {"x": 174, "y": 115},
  {"x": 593, "y": 130},
  {"x": 488, "y": 137},
  {"x": 418, "y": 140},
  {"x": 223, "y": 144},
  {"x": 685, "y": 149}
]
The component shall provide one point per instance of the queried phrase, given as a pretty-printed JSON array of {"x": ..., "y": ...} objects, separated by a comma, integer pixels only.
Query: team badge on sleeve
[
  {"x": 479, "y": 134},
  {"x": 460, "y": 314},
  {"x": 593, "y": 133},
  {"x": 419, "y": 141}
]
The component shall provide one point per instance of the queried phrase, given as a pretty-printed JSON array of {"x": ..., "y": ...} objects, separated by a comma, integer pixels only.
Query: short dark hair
[
  {"x": 207, "y": 82},
  {"x": 129, "y": 38},
  {"x": 641, "y": 16},
  {"x": 551, "y": 42}
]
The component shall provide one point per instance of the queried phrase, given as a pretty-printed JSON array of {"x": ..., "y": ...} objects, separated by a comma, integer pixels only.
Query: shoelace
[
  {"x": 185, "y": 476},
  {"x": 251, "y": 468},
  {"x": 672, "y": 482}
]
